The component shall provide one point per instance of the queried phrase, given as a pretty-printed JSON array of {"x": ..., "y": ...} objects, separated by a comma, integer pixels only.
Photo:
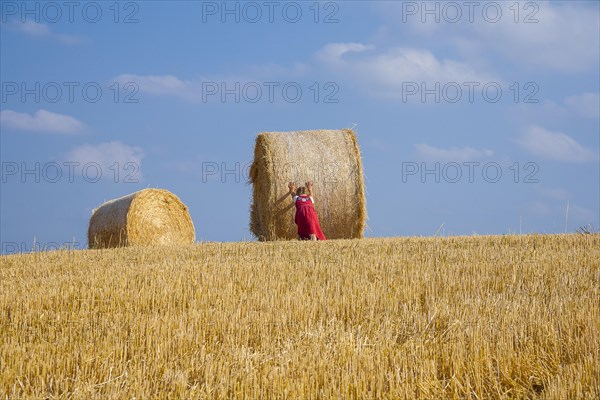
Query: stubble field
[{"x": 482, "y": 317}]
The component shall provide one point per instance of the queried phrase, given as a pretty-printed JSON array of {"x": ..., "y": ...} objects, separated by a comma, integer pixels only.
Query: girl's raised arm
[
  {"x": 292, "y": 187},
  {"x": 309, "y": 187}
]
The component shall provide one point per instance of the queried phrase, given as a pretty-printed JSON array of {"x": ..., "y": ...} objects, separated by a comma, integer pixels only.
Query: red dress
[{"x": 307, "y": 219}]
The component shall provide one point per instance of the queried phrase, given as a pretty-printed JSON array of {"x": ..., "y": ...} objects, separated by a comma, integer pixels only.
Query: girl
[{"x": 306, "y": 216}]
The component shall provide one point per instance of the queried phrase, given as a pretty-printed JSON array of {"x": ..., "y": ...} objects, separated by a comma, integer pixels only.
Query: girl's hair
[{"x": 300, "y": 191}]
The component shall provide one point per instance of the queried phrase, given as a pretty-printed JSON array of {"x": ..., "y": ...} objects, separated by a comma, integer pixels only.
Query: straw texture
[
  {"x": 329, "y": 158},
  {"x": 145, "y": 218}
]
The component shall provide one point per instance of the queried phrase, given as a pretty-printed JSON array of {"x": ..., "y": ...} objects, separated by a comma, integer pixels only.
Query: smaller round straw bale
[{"x": 145, "y": 218}]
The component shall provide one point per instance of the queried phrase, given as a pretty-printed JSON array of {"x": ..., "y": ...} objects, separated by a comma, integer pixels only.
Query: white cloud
[
  {"x": 383, "y": 73},
  {"x": 333, "y": 52},
  {"x": 586, "y": 104},
  {"x": 565, "y": 38},
  {"x": 556, "y": 146},
  {"x": 198, "y": 90},
  {"x": 39, "y": 30},
  {"x": 42, "y": 121},
  {"x": 386, "y": 72},
  {"x": 161, "y": 85},
  {"x": 32, "y": 28},
  {"x": 455, "y": 154},
  {"x": 402, "y": 64},
  {"x": 256, "y": 83},
  {"x": 169, "y": 85},
  {"x": 560, "y": 36},
  {"x": 106, "y": 155}
]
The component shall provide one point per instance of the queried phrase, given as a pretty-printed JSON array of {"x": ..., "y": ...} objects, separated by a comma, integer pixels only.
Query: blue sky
[{"x": 499, "y": 101}]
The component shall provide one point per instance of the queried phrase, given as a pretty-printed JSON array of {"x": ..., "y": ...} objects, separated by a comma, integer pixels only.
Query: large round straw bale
[
  {"x": 328, "y": 158},
  {"x": 148, "y": 217}
]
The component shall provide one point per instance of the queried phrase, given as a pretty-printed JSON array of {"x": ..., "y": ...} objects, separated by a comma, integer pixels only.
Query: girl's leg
[{"x": 313, "y": 236}]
